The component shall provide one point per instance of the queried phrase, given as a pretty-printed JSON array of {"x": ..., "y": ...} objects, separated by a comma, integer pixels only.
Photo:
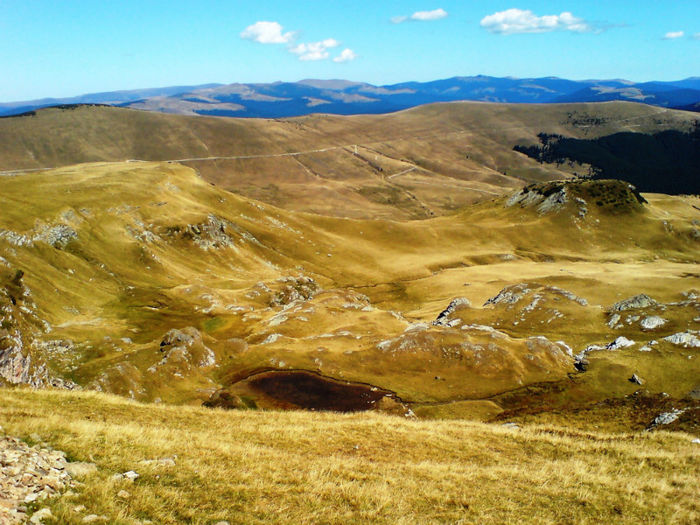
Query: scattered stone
[
  {"x": 652, "y": 322},
  {"x": 130, "y": 475},
  {"x": 614, "y": 319},
  {"x": 636, "y": 379},
  {"x": 40, "y": 515},
  {"x": 123, "y": 494},
  {"x": 79, "y": 509},
  {"x": 28, "y": 475},
  {"x": 512, "y": 425},
  {"x": 696, "y": 441}
]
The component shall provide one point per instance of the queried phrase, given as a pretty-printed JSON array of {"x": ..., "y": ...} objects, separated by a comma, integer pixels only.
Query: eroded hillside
[{"x": 144, "y": 280}]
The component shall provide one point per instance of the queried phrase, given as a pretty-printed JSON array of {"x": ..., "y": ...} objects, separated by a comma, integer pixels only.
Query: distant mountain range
[{"x": 286, "y": 99}]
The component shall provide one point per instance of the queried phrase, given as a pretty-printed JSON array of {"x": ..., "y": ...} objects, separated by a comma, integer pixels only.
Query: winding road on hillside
[{"x": 329, "y": 148}]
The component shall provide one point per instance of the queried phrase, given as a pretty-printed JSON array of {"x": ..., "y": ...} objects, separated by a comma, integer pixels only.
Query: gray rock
[
  {"x": 620, "y": 342},
  {"x": 665, "y": 418},
  {"x": 509, "y": 295},
  {"x": 40, "y": 515},
  {"x": 443, "y": 318},
  {"x": 638, "y": 301},
  {"x": 614, "y": 319},
  {"x": 652, "y": 322},
  {"x": 636, "y": 379},
  {"x": 685, "y": 339},
  {"x": 130, "y": 475}
]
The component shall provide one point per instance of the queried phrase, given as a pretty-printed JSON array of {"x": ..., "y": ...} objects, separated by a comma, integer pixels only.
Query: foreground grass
[{"x": 302, "y": 467}]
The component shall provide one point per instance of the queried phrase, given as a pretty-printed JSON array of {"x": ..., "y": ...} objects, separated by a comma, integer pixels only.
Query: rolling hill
[{"x": 418, "y": 163}]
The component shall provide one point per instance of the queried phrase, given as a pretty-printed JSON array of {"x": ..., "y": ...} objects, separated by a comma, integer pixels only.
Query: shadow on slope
[{"x": 664, "y": 162}]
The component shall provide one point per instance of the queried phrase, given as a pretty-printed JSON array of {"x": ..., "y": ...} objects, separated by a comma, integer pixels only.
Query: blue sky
[{"x": 69, "y": 47}]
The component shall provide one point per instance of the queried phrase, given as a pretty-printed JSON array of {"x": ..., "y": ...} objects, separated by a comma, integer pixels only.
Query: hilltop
[{"x": 419, "y": 163}]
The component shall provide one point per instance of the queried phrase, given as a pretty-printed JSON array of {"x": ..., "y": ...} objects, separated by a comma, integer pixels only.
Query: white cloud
[
  {"x": 435, "y": 14},
  {"x": 672, "y": 35},
  {"x": 314, "y": 50},
  {"x": 346, "y": 56},
  {"x": 421, "y": 16},
  {"x": 512, "y": 21},
  {"x": 267, "y": 33}
]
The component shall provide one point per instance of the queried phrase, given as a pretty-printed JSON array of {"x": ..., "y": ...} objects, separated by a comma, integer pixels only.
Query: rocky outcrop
[
  {"x": 665, "y": 418},
  {"x": 545, "y": 199},
  {"x": 581, "y": 362},
  {"x": 20, "y": 330},
  {"x": 443, "y": 318},
  {"x": 211, "y": 234},
  {"x": 685, "y": 339},
  {"x": 638, "y": 301},
  {"x": 652, "y": 322},
  {"x": 185, "y": 347},
  {"x": 300, "y": 288}
]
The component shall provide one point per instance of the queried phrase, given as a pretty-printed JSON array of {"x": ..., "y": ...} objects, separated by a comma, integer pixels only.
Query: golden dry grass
[{"x": 302, "y": 467}]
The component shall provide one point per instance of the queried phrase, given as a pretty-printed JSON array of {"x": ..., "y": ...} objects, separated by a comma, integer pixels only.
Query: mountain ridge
[{"x": 346, "y": 97}]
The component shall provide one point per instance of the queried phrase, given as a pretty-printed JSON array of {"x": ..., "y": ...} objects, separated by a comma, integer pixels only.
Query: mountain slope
[{"x": 142, "y": 279}]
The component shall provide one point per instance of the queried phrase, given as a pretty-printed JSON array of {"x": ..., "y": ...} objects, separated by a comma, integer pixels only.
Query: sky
[{"x": 71, "y": 47}]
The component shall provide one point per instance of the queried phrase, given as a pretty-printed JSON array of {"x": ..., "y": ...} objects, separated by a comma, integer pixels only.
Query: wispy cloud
[
  {"x": 267, "y": 33},
  {"x": 346, "y": 55},
  {"x": 314, "y": 50},
  {"x": 672, "y": 35},
  {"x": 421, "y": 16},
  {"x": 513, "y": 21},
  {"x": 696, "y": 36}
]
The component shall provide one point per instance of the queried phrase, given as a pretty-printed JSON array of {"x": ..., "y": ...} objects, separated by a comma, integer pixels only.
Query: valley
[{"x": 217, "y": 291}]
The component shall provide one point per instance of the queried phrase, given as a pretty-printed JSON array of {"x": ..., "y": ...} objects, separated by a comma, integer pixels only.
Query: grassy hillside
[
  {"x": 413, "y": 164},
  {"x": 303, "y": 467},
  {"x": 144, "y": 280}
]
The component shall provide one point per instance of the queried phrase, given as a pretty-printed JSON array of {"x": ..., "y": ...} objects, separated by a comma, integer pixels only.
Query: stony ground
[{"x": 28, "y": 476}]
